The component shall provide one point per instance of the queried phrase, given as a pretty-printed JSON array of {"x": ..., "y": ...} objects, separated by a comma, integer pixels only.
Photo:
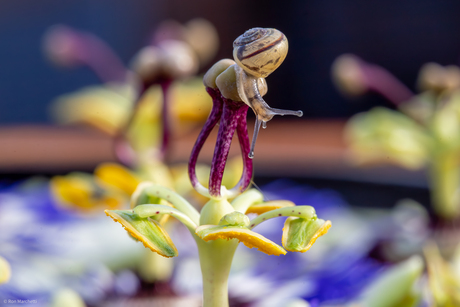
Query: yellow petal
[
  {"x": 5, "y": 271},
  {"x": 242, "y": 234},
  {"x": 191, "y": 104},
  {"x": 70, "y": 189},
  {"x": 105, "y": 108},
  {"x": 78, "y": 190},
  {"x": 300, "y": 234},
  {"x": 146, "y": 230},
  {"x": 116, "y": 175},
  {"x": 269, "y": 206}
]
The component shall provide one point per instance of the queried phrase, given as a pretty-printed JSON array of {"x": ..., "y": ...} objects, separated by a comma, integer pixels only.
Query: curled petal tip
[
  {"x": 300, "y": 234},
  {"x": 148, "y": 231}
]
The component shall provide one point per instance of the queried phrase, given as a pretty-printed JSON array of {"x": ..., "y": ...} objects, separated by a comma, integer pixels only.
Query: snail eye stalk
[
  {"x": 259, "y": 52},
  {"x": 234, "y": 87}
]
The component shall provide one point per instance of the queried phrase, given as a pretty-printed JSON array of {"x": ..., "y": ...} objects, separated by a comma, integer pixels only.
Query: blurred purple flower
[{"x": 49, "y": 248}]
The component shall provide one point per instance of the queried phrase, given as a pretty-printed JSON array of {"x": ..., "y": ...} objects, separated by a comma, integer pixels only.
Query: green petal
[
  {"x": 299, "y": 234},
  {"x": 146, "y": 230},
  {"x": 383, "y": 135},
  {"x": 249, "y": 238},
  {"x": 394, "y": 287}
]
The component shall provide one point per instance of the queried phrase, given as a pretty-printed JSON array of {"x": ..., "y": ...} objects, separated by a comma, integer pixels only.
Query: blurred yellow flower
[
  {"x": 80, "y": 191},
  {"x": 5, "y": 271}
]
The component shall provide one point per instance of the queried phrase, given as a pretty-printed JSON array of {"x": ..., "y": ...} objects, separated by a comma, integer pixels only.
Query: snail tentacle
[
  {"x": 254, "y": 137},
  {"x": 248, "y": 90}
]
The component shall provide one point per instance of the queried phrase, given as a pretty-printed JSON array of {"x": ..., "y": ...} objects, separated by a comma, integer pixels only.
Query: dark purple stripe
[
  {"x": 268, "y": 47},
  {"x": 230, "y": 117},
  {"x": 212, "y": 120},
  {"x": 165, "y": 86},
  {"x": 95, "y": 53},
  {"x": 243, "y": 137},
  {"x": 122, "y": 148}
]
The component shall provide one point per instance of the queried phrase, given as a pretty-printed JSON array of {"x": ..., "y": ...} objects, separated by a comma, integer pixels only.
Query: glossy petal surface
[
  {"x": 300, "y": 234},
  {"x": 247, "y": 237},
  {"x": 148, "y": 231},
  {"x": 269, "y": 206}
]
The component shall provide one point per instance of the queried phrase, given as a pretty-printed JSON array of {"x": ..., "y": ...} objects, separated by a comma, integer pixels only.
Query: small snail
[{"x": 258, "y": 52}]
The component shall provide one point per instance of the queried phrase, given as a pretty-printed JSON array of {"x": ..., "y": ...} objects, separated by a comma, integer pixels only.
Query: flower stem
[
  {"x": 444, "y": 183},
  {"x": 215, "y": 256},
  {"x": 215, "y": 260},
  {"x": 165, "y": 86}
]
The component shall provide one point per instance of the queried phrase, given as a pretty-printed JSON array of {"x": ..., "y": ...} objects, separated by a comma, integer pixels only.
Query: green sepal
[
  {"x": 299, "y": 234},
  {"x": 395, "y": 286},
  {"x": 140, "y": 197},
  {"x": 146, "y": 230}
]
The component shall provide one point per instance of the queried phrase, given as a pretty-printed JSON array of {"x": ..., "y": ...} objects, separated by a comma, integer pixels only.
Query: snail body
[{"x": 257, "y": 53}]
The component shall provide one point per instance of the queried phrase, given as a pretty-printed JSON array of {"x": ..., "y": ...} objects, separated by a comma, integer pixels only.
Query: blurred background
[
  {"x": 400, "y": 36},
  {"x": 310, "y": 151}
]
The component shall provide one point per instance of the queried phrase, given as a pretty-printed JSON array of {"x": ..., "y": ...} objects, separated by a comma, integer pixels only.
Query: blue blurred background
[{"x": 398, "y": 35}]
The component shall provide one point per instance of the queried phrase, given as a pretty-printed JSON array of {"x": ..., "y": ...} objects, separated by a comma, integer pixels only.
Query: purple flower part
[
  {"x": 123, "y": 151},
  {"x": 232, "y": 113},
  {"x": 243, "y": 137},
  {"x": 212, "y": 120},
  {"x": 232, "y": 116},
  {"x": 165, "y": 86},
  {"x": 347, "y": 284},
  {"x": 383, "y": 82},
  {"x": 70, "y": 46}
]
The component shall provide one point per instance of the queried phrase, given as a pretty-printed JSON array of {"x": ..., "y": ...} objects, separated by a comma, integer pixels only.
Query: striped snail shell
[{"x": 259, "y": 51}]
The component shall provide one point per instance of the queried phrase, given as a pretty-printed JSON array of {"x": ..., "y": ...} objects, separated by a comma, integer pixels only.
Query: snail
[{"x": 258, "y": 52}]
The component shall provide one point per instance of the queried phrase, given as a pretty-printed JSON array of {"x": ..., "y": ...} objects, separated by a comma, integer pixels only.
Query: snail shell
[{"x": 259, "y": 51}]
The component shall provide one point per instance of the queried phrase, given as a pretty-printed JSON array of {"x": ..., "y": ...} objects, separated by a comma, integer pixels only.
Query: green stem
[
  {"x": 246, "y": 200},
  {"x": 216, "y": 260},
  {"x": 306, "y": 212},
  {"x": 155, "y": 190},
  {"x": 149, "y": 210},
  {"x": 445, "y": 182},
  {"x": 215, "y": 256}
]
